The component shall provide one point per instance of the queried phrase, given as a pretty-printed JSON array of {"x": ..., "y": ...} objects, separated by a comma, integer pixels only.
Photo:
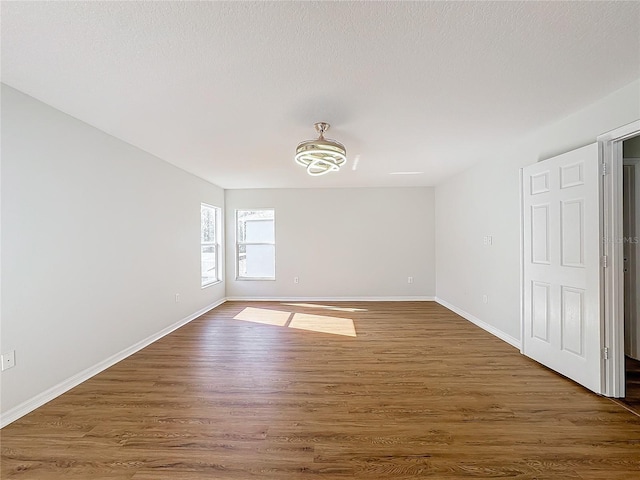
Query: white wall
[
  {"x": 97, "y": 238},
  {"x": 484, "y": 200},
  {"x": 342, "y": 243}
]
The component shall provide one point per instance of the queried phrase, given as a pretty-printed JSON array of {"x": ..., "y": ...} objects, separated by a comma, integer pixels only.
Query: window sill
[
  {"x": 255, "y": 279},
  {"x": 210, "y": 284}
]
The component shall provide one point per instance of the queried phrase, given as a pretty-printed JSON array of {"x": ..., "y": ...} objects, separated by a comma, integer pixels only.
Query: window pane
[
  {"x": 242, "y": 260},
  {"x": 260, "y": 231},
  {"x": 208, "y": 264},
  {"x": 258, "y": 262},
  {"x": 209, "y": 239},
  {"x": 256, "y": 226},
  {"x": 207, "y": 224}
]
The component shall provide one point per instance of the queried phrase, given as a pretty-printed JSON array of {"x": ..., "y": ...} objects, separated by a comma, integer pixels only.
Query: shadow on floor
[{"x": 632, "y": 398}]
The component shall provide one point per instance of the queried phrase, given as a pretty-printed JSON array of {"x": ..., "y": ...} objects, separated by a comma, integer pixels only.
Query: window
[
  {"x": 209, "y": 244},
  {"x": 255, "y": 244}
]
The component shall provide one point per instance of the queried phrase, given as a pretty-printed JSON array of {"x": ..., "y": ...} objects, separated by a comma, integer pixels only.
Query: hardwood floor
[
  {"x": 632, "y": 387},
  {"x": 418, "y": 392}
]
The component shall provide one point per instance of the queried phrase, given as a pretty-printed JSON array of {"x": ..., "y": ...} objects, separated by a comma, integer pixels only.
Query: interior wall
[
  {"x": 485, "y": 201},
  {"x": 97, "y": 238},
  {"x": 342, "y": 242}
]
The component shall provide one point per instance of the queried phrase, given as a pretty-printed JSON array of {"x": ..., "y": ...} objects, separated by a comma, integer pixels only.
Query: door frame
[{"x": 611, "y": 158}]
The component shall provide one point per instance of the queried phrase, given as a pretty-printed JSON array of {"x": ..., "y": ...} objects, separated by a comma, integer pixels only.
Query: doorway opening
[
  {"x": 619, "y": 195},
  {"x": 631, "y": 267}
]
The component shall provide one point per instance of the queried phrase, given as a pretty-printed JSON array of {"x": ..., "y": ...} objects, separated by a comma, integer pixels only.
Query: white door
[{"x": 561, "y": 261}]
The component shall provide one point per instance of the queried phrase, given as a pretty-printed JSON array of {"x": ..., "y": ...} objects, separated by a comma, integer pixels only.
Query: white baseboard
[
  {"x": 331, "y": 299},
  {"x": 483, "y": 325},
  {"x": 20, "y": 410}
]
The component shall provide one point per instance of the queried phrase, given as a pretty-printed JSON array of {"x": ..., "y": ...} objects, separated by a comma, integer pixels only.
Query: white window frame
[
  {"x": 208, "y": 244},
  {"x": 239, "y": 244}
]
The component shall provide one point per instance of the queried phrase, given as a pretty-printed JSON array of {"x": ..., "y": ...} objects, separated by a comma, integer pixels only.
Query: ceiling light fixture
[{"x": 322, "y": 155}]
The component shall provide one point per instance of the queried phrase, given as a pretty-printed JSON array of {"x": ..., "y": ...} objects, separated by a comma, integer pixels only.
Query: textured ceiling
[{"x": 226, "y": 90}]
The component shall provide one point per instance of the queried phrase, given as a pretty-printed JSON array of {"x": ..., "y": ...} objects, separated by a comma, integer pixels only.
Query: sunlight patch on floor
[
  {"x": 299, "y": 321},
  {"x": 320, "y": 323},
  {"x": 261, "y": 315},
  {"x": 327, "y": 307}
]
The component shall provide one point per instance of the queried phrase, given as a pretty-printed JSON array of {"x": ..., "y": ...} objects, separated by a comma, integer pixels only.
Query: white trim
[
  {"x": 622, "y": 133},
  {"x": 238, "y": 243},
  {"x": 331, "y": 299},
  {"x": 482, "y": 324},
  {"x": 631, "y": 333},
  {"x": 40, "y": 399},
  {"x": 613, "y": 286},
  {"x": 217, "y": 220},
  {"x": 521, "y": 173},
  {"x": 210, "y": 284}
]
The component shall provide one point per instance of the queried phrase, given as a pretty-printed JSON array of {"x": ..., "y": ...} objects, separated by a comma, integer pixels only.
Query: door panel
[
  {"x": 540, "y": 293},
  {"x": 573, "y": 320},
  {"x": 561, "y": 262},
  {"x": 572, "y": 233},
  {"x": 540, "y": 234}
]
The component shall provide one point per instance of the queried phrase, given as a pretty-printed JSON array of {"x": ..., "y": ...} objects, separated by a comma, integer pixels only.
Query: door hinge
[
  {"x": 605, "y": 353},
  {"x": 604, "y": 261},
  {"x": 604, "y": 169}
]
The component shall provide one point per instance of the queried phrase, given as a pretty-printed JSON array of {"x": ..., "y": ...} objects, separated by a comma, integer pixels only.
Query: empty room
[{"x": 319, "y": 240}]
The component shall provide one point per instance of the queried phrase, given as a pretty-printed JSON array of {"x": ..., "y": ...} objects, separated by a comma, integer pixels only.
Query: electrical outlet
[
  {"x": 177, "y": 298},
  {"x": 485, "y": 299},
  {"x": 409, "y": 279},
  {"x": 9, "y": 360},
  {"x": 296, "y": 280}
]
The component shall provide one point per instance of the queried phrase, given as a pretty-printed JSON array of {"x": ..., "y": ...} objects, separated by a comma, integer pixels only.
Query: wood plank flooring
[
  {"x": 418, "y": 392},
  {"x": 632, "y": 387}
]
